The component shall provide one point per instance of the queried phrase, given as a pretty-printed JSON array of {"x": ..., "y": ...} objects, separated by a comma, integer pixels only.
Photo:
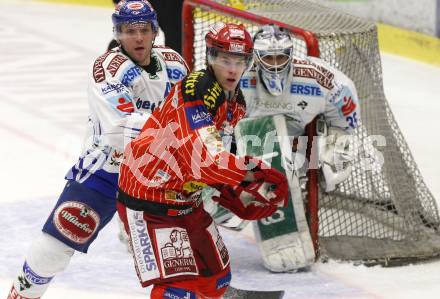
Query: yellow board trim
[
  {"x": 410, "y": 44},
  {"x": 102, "y": 3}
]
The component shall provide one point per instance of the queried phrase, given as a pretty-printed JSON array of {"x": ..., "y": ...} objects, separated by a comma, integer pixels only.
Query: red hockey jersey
[{"x": 180, "y": 148}]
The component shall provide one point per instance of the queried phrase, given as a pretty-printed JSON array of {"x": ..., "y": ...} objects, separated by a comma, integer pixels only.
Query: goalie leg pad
[
  {"x": 287, "y": 253},
  {"x": 284, "y": 239},
  {"x": 284, "y": 242}
]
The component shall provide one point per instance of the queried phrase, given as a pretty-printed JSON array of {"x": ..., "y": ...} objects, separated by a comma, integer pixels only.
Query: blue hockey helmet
[{"x": 132, "y": 12}]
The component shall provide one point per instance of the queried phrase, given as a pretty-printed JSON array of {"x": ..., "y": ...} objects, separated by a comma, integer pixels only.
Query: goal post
[{"x": 384, "y": 212}]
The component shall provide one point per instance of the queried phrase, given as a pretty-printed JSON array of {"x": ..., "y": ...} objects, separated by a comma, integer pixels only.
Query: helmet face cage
[
  {"x": 231, "y": 39},
  {"x": 273, "y": 54},
  {"x": 134, "y": 12},
  {"x": 274, "y": 61},
  {"x": 273, "y": 49}
]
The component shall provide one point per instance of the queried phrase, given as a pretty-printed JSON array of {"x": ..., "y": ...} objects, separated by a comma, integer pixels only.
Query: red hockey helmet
[{"x": 229, "y": 38}]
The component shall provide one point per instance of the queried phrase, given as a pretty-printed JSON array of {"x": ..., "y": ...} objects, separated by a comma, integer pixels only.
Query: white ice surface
[{"x": 45, "y": 56}]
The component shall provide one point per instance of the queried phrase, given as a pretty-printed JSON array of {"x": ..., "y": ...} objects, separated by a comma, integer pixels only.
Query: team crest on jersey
[
  {"x": 76, "y": 221},
  {"x": 176, "y": 254}
]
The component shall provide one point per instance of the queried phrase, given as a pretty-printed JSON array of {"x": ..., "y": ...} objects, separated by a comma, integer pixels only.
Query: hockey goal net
[{"x": 384, "y": 213}]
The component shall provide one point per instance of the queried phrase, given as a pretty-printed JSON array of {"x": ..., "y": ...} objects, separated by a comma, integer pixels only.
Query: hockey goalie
[{"x": 283, "y": 94}]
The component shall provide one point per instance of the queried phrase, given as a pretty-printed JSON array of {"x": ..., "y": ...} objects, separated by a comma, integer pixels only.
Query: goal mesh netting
[{"x": 384, "y": 212}]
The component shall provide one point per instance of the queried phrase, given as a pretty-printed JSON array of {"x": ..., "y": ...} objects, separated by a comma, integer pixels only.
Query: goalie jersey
[
  {"x": 121, "y": 97},
  {"x": 312, "y": 87}
]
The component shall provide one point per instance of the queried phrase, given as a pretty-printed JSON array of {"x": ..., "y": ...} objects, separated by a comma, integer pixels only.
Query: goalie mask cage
[{"x": 384, "y": 213}]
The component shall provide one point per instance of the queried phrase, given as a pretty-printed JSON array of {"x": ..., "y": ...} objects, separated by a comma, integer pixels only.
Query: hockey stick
[{"x": 237, "y": 293}]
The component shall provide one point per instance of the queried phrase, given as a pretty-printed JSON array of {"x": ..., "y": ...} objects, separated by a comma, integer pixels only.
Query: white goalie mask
[{"x": 273, "y": 50}]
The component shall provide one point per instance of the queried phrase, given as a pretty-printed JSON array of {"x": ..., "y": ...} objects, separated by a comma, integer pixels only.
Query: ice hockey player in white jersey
[
  {"x": 300, "y": 89},
  {"x": 126, "y": 85}
]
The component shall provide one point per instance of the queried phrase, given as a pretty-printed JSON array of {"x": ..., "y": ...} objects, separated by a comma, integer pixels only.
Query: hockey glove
[
  {"x": 243, "y": 204},
  {"x": 274, "y": 183},
  {"x": 336, "y": 155}
]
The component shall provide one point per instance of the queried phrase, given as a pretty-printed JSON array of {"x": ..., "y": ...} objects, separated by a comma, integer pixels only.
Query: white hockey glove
[{"x": 336, "y": 157}]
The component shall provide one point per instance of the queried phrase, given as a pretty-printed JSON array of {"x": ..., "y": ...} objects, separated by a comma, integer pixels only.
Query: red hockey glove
[
  {"x": 243, "y": 204},
  {"x": 264, "y": 174}
]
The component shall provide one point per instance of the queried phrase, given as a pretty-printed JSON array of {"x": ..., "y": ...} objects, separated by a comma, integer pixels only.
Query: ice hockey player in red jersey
[
  {"x": 126, "y": 84},
  {"x": 175, "y": 243}
]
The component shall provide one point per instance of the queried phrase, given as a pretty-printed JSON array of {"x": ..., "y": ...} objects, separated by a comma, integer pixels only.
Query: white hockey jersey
[
  {"x": 121, "y": 96},
  {"x": 312, "y": 87}
]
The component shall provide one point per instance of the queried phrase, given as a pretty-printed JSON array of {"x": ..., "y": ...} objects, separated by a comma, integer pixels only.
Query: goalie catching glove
[
  {"x": 257, "y": 198},
  {"x": 336, "y": 157}
]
